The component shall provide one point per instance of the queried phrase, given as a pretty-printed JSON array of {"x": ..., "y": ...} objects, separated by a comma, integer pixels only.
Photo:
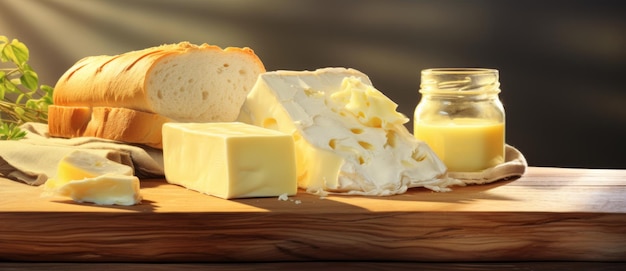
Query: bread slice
[
  {"x": 182, "y": 82},
  {"x": 120, "y": 124}
]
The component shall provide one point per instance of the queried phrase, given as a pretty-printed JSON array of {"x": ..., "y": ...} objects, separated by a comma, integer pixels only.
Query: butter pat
[
  {"x": 229, "y": 160},
  {"x": 349, "y": 137},
  {"x": 106, "y": 189}
]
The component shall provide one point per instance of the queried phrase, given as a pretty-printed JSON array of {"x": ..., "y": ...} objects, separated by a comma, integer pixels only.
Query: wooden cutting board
[{"x": 549, "y": 214}]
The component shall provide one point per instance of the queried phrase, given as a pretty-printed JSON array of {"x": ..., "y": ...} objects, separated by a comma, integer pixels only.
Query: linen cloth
[
  {"x": 35, "y": 158},
  {"x": 514, "y": 166}
]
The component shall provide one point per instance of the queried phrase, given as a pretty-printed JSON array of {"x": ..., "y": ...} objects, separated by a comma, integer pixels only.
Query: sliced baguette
[
  {"x": 120, "y": 124},
  {"x": 128, "y": 97},
  {"x": 182, "y": 82}
]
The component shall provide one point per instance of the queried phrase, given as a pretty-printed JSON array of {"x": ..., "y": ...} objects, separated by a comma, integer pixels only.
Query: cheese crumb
[{"x": 283, "y": 197}]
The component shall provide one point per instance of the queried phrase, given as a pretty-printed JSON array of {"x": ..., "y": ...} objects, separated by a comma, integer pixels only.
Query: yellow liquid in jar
[{"x": 464, "y": 144}]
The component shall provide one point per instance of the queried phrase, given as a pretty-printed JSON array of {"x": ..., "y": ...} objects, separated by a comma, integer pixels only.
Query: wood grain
[
  {"x": 316, "y": 266},
  {"x": 550, "y": 214}
]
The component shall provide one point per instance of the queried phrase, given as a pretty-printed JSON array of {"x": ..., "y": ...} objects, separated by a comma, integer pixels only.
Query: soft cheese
[
  {"x": 229, "y": 159},
  {"x": 88, "y": 177},
  {"x": 349, "y": 137},
  {"x": 79, "y": 165},
  {"x": 107, "y": 189}
]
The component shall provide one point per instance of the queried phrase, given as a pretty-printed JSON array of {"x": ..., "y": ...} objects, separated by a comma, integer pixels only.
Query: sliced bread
[{"x": 175, "y": 82}]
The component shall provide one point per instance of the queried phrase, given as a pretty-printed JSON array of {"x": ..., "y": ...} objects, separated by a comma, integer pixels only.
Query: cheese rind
[
  {"x": 107, "y": 189},
  {"x": 348, "y": 136},
  {"x": 229, "y": 160}
]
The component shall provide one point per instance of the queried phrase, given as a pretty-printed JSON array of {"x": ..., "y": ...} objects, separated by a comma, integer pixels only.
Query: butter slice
[
  {"x": 229, "y": 159},
  {"x": 107, "y": 189},
  {"x": 349, "y": 137},
  {"x": 79, "y": 165}
]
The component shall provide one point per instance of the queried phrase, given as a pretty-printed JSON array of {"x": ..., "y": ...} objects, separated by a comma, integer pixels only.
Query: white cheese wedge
[
  {"x": 349, "y": 137},
  {"x": 88, "y": 177},
  {"x": 229, "y": 159},
  {"x": 107, "y": 189},
  {"x": 79, "y": 165}
]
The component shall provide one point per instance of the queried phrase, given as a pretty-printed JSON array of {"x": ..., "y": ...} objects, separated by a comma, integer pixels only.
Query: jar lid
[{"x": 455, "y": 80}]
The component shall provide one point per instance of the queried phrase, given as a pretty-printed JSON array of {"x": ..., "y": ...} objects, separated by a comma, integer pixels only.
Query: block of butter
[
  {"x": 349, "y": 137},
  {"x": 229, "y": 159},
  {"x": 87, "y": 177}
]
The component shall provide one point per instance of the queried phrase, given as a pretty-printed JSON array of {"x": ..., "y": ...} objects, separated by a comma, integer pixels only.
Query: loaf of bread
[{"x": 128, "y": 97}]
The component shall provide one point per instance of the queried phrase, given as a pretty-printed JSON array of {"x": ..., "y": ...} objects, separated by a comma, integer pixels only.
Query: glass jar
[{"x": 461, "y": 117}]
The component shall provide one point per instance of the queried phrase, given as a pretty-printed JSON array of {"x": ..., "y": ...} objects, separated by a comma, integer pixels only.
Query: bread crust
[{"x": 114, "y": 123}]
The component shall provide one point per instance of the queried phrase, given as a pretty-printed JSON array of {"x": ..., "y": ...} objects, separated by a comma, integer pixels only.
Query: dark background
[{"x": 562, "y": 63}]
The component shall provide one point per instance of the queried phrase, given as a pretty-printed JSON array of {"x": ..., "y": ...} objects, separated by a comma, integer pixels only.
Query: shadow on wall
[{"x": 561, "y": 62}]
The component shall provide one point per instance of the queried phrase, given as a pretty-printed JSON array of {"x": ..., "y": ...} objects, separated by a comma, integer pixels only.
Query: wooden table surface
[{"x": 550, "y": 214}]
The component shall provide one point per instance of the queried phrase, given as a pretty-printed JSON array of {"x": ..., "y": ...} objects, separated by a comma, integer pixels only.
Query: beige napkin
[
  {"x": 514, "y": 166},
  {"x": 34, "y": 159}
]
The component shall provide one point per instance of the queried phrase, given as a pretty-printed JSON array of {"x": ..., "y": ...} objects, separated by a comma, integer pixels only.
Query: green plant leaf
[
  {"x": 17, "y": 52},
  {"x": 18, "y": 88},
  {"x": 18, "y": 110},
  {"x": 10, "y": 131},
  {"x": 47, "y": 89},
  {"x": 8, "y": 85},
  {"x": 30, "y": 79},
  {"x": 19, "y": 98},
  {"x": 3, "y": 42},
  {"x": 2, "y": 87}
]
